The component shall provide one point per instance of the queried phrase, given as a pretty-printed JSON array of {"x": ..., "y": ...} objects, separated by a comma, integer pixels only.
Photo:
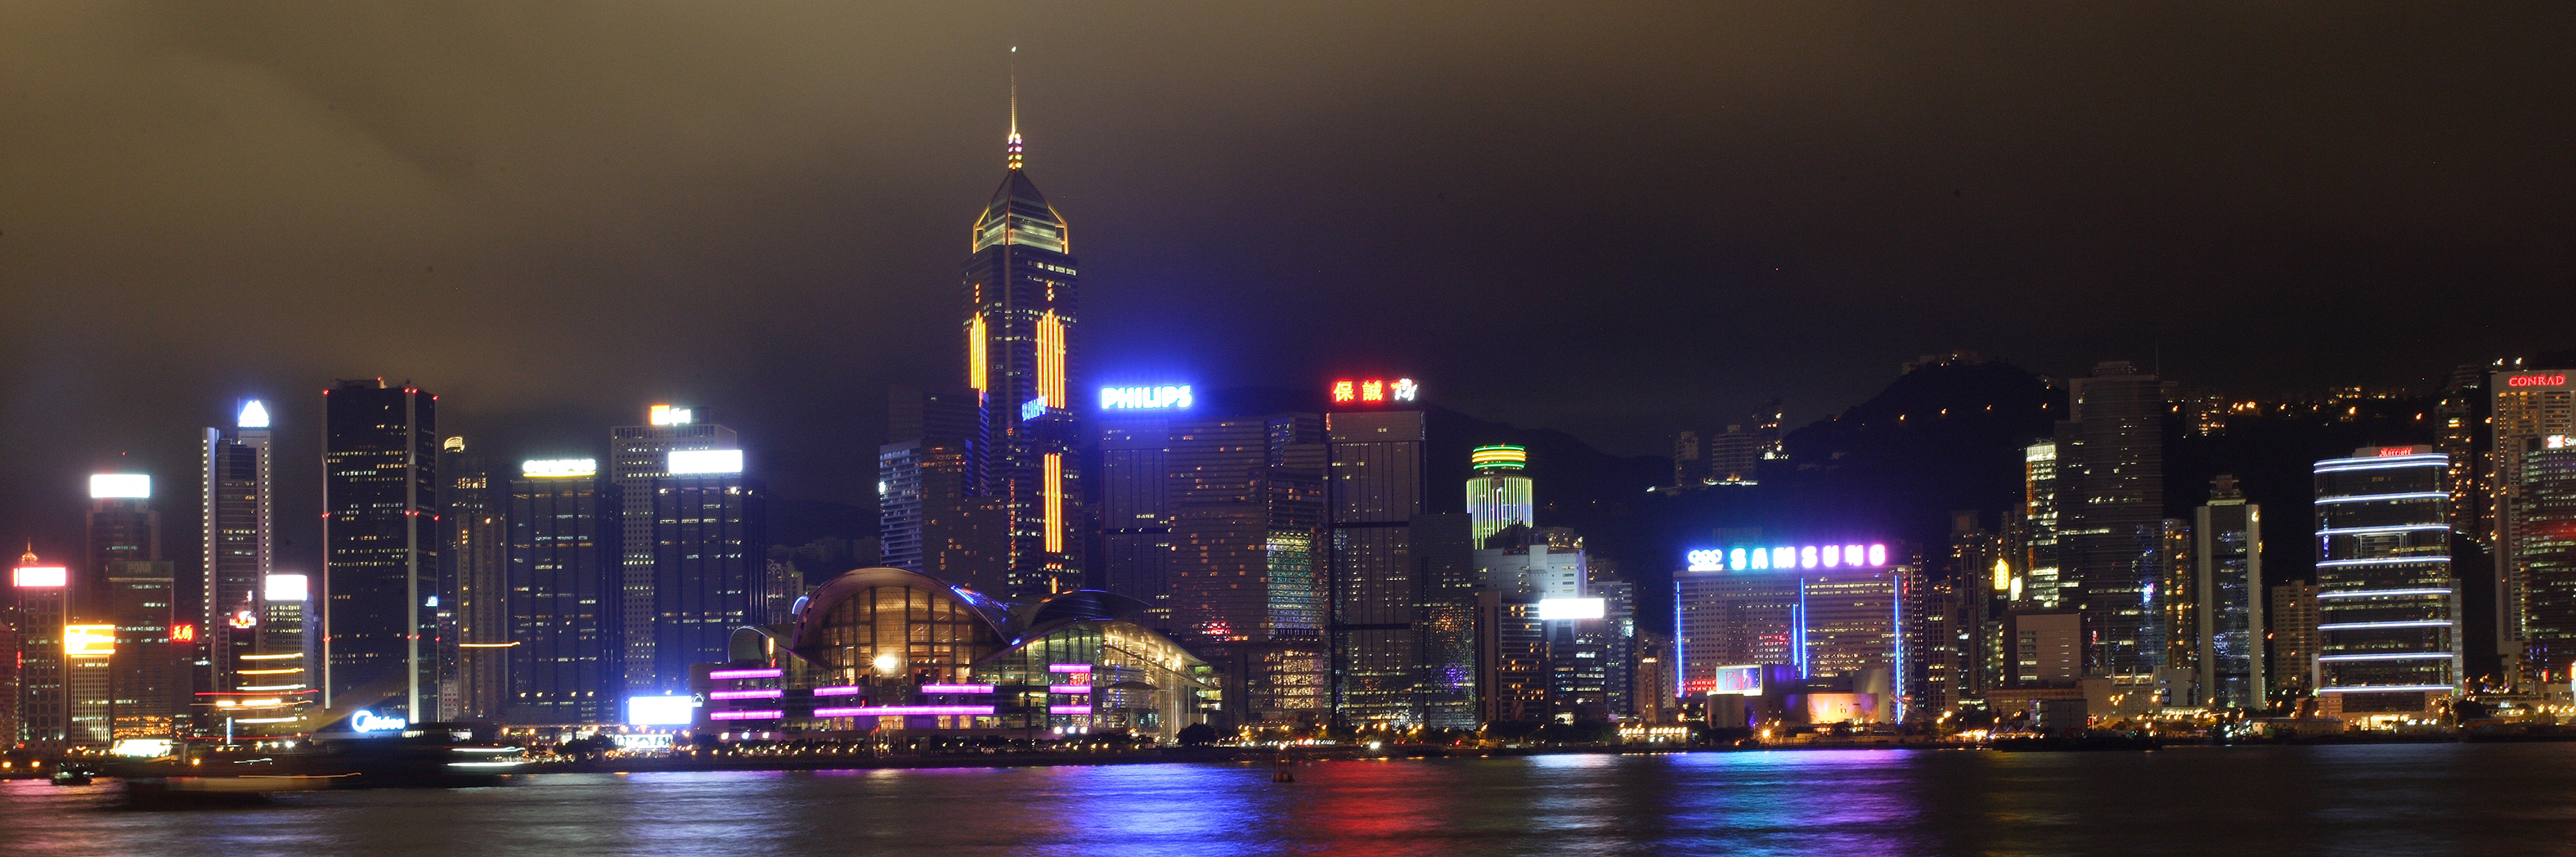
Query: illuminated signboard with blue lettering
[
  {"x": 367, "y": 721},
  {"x": 1788, "y": 557},
  {"x": 1144, "y": 398}
]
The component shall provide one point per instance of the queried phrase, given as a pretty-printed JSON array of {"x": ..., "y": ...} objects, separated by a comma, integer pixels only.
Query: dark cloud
[{"x": 1607, "y": 218}]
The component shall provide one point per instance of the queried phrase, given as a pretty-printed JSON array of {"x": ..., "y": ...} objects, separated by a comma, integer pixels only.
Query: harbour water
[{"x": 2276, "y": 800}]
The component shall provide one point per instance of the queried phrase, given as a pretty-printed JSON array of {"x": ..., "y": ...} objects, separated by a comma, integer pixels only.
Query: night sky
[{"x": 1611, "y": 219}]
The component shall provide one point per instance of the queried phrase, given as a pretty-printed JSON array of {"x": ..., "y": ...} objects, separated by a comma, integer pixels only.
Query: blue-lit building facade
[
  {"x": 2388, "y": 605},
  {"x": 1821, "y": 627},
  {"x": 885, "y": 650}
]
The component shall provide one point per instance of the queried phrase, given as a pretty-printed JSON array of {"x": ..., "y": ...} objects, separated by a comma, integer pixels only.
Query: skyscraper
[
  {"x": 1247, "y": 508},
  {"x": 2291, "y": 626},
  {"x": 932, "y": 513},
  {"x": 710, "y": 562},
  {"x": 41, "y": 596},
  {"x": 2544, "y": 550},
  {"x": 637, "y": 456},
  {"x": 2388, "y": 607},
  {"x": 1021, "y": 291},
  {"x": 2528, "y": 406},
  {"x": 2229, "y": 559},
  {"x": 566, "y": 579},
  {"x": 476, "y": 551},
  {"x": 240, "y": 543},
  {"x": 1375, "y": 485},
  {"x": 1135, "y": 510},
  {"x": 1498, "y": 495},
  {"x": 2110, "y": 476},
  {"x": 148, "y": 669},
  {"x": 121, "y": 526},
  {"x": 380, "y": 547},
  {"x": 2042, "y": 575}
]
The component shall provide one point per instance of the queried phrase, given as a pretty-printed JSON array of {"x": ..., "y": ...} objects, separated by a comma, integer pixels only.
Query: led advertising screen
[
  {"x": 687, "y": 461},
  {"x": 660, "y": 710},
  {"x": 1787, "y": 557},
  {"x": 1743, "y": 680},
  {"x": 41, "y": 577},
  {"x": 1561, "y": 609},
  {"x": 89, "y": 641},
  {"x": 134, "y": 486}
]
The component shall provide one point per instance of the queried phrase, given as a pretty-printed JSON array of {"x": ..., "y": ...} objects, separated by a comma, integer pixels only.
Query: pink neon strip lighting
[
  {"x": 726, "y": 674},
  {"x": 1068, "y": 668},
  {"x": 1068, "y": 688},
  {"x": 957, "y": 688},
  {"x": 1068, "y": 709},
  {"x": 902, "y": 710},
  {"x": 838, "y": 690},
  {"x": 758, "y": 693},
  {"x": 746, "y": 715}
]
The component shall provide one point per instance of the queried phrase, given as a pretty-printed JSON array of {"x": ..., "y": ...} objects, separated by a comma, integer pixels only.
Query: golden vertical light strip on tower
[
  {"x": 1051, "y": 359},
  {"x": 975, "y": 353},
  {"x": 1052, "y": 490}
]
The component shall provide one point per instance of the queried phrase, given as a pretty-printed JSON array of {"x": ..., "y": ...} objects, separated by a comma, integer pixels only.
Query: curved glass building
[{"x": 884, "y": 649}]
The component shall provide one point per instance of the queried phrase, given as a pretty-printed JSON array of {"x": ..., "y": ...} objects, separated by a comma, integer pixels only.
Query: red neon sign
[
  {"x": 183, "y": 633},
  {"x": 2387, "y": 451},
  {"x": 2536, "y": 381},
  {"x": 1377, "y": 390}
]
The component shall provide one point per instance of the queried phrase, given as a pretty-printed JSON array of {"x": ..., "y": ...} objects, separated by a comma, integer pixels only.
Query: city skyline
[{"x": 819, "y": 231}]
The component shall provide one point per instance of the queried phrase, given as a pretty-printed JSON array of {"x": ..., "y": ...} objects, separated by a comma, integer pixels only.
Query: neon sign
[
  {"x": 686, "y": 461},
  {"x": 1033, "y": 409},
  {"x": 126, "y": 486},
  {"x": 183, "y": 633},
  {"x": 665, "y": 415},
  {"x": 1566, "y": 609},
  {"x": 1376, "y": 390},
  {"x": 559, "y": 467},
  {"x": 2536, "y": 381},
  {"x": 243, "y": 619},
  {"x": 1787, "y": 557},
  {"x": 2394, "y": 451},
  {"x": 1144, "y": 398},
  {"x": 89, "y": 641},
  {"x": 1500, "y": 457},
  {"x": 42, "y": 577},
  {"x": 367, "y": 721}
]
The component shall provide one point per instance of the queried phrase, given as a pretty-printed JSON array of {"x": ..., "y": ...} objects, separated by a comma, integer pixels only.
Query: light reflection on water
[{"x": 2306, "y": 800}]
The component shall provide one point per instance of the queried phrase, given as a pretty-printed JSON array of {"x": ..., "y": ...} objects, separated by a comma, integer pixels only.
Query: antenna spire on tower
[{"x": 1014, "y": 148}]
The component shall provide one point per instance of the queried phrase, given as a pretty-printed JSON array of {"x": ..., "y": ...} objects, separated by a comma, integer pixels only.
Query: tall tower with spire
[{"x": 1019, "y": 322}]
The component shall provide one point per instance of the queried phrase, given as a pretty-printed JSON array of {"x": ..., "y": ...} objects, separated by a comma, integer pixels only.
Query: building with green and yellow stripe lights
[{"x": 1498, "y": 495}]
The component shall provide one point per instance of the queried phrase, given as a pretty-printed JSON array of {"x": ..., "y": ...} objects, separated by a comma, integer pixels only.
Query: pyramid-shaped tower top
[{"x": 1018, "y": 214}]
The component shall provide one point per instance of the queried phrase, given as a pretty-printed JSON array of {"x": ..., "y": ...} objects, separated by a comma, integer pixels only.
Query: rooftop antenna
[{"x": 1014, "y": 148}]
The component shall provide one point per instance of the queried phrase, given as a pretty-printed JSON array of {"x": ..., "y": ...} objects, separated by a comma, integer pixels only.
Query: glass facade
[
  {"x": 884, "y": 649},
  {"x": 2387, "y": 605}
]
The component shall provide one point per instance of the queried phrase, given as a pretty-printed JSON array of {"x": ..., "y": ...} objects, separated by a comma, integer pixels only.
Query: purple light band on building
[
  {"x": 1068, "y": 709},
  {"x": 746, "y": 715},
  {"x": 756, "y": 693},
  {"x": 956, "y": 688},
  {"x": 1068, "y": 688},
  {"x": 1068, "y": 668},
  {"x": 902, "y": 710},
  {"x": 721, "y": 675},
  {"x": 838, "y": 690}
]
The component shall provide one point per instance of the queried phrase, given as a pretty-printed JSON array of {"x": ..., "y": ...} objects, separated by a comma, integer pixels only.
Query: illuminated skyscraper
[
  {"x": 2529, "y": 406},
  {"x": 710, "y": 533},
  {"x": 2544, "y": 548},
  {"x": 2388, "y": 607},
  {"x": 240, "y": 543},
  {"x": 2110, "y": 478},
  {"x": 2292, "y": 626},
  {"x": 1246, "y": 499},
  {"x": 121, "y": 527},
  {"x": 476, "y": 538},
  {"x": 41, "y": 596},
  {"x": 1498, "y": 495},
  {"x": 566, "y": 575},
  {"x": 1019, "y": 327},
  {"x": 1375, "y": 485},
  {"x": 2229, "y": 556},
  {"x": 1135, "y": 510},
  {"x": 380, "y": 547},
  {"x": 2037, "y": 585},
  {"x": 148, "y": 672},
  {"x": 637, "y": 456}
]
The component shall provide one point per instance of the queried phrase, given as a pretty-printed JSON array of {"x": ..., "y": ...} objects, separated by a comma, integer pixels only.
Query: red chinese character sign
[{"x": 1374, "y": 391}]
